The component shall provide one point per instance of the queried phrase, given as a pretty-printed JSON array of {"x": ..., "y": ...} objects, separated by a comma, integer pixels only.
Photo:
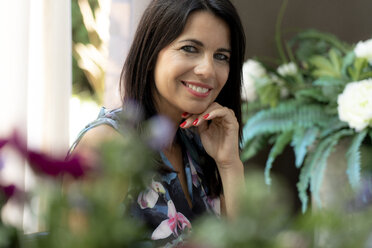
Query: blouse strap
[{"x": 105, "y": 117}]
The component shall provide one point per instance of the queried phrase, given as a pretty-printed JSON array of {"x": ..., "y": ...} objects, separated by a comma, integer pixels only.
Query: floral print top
[{"x": 163, "y": 205}]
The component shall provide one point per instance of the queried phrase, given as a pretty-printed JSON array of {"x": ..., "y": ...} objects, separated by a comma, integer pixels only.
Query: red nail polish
[
  {"x": 206, "y": 116},
  {"x": 185, "y": 114},
  {"x": 183, "y": 124},
  {"x": 195, "y": 122}
]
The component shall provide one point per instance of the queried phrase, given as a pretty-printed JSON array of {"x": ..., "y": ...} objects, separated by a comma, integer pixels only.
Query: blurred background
[{"x": 61, "y": 61}]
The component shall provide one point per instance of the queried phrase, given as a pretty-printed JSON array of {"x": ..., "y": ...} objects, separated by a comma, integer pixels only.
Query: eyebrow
[{"x": 199, "y": 43}]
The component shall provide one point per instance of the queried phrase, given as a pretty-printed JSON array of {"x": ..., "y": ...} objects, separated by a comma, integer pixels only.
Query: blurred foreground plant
[
  {"x": 90, "y": 212},
  {"x": 265, "y": 220}
]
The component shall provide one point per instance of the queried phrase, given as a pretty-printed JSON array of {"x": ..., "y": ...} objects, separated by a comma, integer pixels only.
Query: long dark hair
[{"x": 162, "y": 22}]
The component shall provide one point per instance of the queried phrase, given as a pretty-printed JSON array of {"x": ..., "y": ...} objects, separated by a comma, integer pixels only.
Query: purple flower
[
  {"x": 53, "y": 167},
  {"x": 46, "y": 164},
  {"x": 11, "y": 191},
  {"x": 3, "y": 142},
  {"x": 159, "y": 133}
]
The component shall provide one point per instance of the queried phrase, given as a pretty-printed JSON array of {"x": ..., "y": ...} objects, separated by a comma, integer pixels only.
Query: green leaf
[
  {"x": 365, "y": 75},
  {"x": 334, "y": 125},
  {"x": 280, "y": 143},
  {"x": 253, "y": 147},
  {"x": 302, "y": 139},
  {"x": 331, "y": 87},
  {"x": 329, "y": 38},
  {"x": 287, "y": 116},
  {"x": 356, "y": 70},
  {"x": 336, "y": 60},
  {"x": 322, "y": 63},
  {"x": 313, "y": 93},
  {"x": 353, "y": 159},
  {"x": 269, "y": 94},
  {"x": 314, "y": 166},
  {"x": 347, "y": 61}
]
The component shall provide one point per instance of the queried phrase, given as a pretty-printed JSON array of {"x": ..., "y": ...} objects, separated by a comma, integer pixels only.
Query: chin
[{"x": 197, "y": 110}]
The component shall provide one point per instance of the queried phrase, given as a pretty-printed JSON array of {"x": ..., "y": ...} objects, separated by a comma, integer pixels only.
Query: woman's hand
[{"x": 219, "y": 132}]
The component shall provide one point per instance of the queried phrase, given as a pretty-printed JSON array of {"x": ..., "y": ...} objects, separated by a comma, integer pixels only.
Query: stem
[{"x": 278, "y": 35}]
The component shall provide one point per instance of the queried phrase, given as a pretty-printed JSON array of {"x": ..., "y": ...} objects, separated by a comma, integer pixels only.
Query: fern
[
  {"x": 311, "y": 94},
  {"x": 353, "y": 159},
  {"x": 253, "y": 147},
  {"x": 280, "y": 143},
  {"x": 334, "y": 125},
  {"x": 302, "y": 139},
  {"x": 309, "y": 172},
  {"x": 286, "y": 116}
]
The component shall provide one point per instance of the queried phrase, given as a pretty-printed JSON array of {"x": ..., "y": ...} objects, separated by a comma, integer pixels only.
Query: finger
[
  {"x": 185, "y": 115},
  {"x": 203, "y": 117}
]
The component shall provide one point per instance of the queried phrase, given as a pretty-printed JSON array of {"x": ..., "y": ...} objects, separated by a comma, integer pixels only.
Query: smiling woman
[
  {"x": 185, "y": 64},
  {"x": 192, "y": 70}
]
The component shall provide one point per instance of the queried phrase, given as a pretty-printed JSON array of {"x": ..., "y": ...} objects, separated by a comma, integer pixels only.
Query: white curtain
[
  {"x": 35, "y": 83},
  {"x": 35, "y": 88},
  {"x": 124, "y": 17}
]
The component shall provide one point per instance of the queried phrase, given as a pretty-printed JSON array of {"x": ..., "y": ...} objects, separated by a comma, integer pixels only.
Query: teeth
[{"x": 198, "y": 89}]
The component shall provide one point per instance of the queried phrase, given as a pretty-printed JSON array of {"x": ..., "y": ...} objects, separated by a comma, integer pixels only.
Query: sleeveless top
[{"x": 163, "y": 205}]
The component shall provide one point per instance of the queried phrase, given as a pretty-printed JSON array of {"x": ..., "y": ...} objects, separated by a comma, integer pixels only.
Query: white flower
[
  {"x": 252, "y": 70},
  {"x": 289, "y": 69},
  {"x": 364, "y": 50},
  {"x": 355, "y": 104},
  {"x": 149, "y": 197}
]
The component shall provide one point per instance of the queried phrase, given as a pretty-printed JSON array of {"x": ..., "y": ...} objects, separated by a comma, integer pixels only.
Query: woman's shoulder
[{"x": 106, "y": 127}]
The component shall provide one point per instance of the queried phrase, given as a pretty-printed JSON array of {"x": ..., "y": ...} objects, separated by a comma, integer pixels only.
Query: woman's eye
[
  {"x": 189, "y": 49},
  {"x": 222, "y": 57}
]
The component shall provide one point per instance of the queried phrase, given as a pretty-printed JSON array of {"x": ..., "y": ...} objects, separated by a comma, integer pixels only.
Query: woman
[{"x": 185, "y": 63}]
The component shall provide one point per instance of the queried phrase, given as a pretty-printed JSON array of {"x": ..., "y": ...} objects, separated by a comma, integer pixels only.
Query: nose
[{"x": 205, "y": 67}]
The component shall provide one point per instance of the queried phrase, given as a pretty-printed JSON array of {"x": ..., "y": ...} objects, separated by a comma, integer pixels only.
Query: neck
[{"x": 174, "y": 116}]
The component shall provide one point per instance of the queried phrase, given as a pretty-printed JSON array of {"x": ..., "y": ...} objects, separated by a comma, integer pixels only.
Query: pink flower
[{"x": 167, "y": 227}]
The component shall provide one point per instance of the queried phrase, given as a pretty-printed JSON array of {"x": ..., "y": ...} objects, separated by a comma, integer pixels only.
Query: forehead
[{"x": 208, "y": 28}]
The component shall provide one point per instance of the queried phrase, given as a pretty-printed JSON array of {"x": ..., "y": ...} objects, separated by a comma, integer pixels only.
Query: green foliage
[
  {"x": 280, "y": 143},
  {"x": 313, "y": 169},
  {"x": 302, "y": 139},
  {"x": 81, "y": 35},
  {"x": 353, "y": 159},
  {"x": 288, "y": 115},
  {"x": 252, "y": 147},
  {"x": 307, "y": 117}
]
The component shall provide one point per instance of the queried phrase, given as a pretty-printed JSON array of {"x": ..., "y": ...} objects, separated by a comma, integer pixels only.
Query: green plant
[{"x": 320, "y": 97}]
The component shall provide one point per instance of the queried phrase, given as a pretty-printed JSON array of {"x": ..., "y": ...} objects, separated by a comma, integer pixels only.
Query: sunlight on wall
[{"x": 82, "y": 112}]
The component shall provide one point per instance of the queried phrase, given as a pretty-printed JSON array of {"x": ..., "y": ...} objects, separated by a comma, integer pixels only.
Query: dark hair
[{"x": 162, "y": 22}]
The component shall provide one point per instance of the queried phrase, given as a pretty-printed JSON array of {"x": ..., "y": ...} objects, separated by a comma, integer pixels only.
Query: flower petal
[
  {"x": 171, "y": 209},
  {"x": 147, "y": 199},
  {"x": 183, "y": 221},
  {"x": 162, "y": 231}
]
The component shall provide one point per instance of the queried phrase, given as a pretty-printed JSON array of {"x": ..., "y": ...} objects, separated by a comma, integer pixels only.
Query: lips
[{"x": 197, "y": 89}]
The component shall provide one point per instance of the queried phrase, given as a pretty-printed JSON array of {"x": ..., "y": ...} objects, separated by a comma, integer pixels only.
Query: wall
[{"x": 349, "y": 20}]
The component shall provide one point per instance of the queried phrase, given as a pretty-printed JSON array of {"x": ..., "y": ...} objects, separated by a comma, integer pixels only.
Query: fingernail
[
  {"x": 185, "y": 114},
  {"x": 195, "y": 122},
  {"x": 206, "y": 116},
  {"x": 183, "y": 124}
]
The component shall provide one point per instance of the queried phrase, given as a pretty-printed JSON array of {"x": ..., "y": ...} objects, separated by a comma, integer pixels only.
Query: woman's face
[{"x": 191, "y": 71}]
